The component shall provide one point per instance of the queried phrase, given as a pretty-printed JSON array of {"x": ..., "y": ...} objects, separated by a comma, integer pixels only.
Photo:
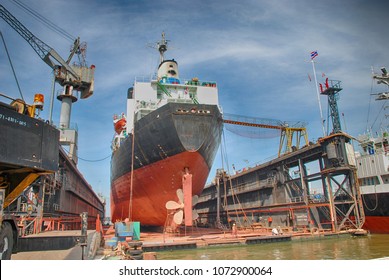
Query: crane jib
[{"x": 80, "y": 77}]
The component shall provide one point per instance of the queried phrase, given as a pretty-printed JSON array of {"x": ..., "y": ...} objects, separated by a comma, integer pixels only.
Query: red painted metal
[
  {"x": 187, "y": 188},
  {"x": 377, "y": 224},
  {"x": 76, "y": 195},
  {"x": 154, "y": 185}
]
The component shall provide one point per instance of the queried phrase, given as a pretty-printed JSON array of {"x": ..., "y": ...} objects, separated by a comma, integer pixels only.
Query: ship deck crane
[
  {"x": 76, "y": 77},
  {"x": 21, "y": 164},
  {"x": 287, "y": 130},
  {"x": 80, "y": 77}
]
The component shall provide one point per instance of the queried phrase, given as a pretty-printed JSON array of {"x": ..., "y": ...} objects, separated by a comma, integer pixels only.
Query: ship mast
[
  {"x": 382, "y": 79},
  {"x": 162, "y": 47}
]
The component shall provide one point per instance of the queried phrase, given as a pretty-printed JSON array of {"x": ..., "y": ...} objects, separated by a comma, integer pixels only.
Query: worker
[
  {"x": 269, "y": 221},
  {"x": 234, "y": 230}
]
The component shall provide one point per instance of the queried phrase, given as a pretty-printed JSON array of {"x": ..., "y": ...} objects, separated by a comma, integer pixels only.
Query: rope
[
  {"x": 224, "y": 157},
  {"x": 368, "y": 110},
  {"x": 12, "y": 67},
  {"x": 239, "y": 204},
  {"x": 132, "y": 173},
  {"x": 378, "y": 114},
  {"x": 376, "y": 200},
  {"x": 235, "y": 197}
]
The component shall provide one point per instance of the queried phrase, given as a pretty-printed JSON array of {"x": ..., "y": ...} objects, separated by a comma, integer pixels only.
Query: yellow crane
[{"x": 290, "y": 133}]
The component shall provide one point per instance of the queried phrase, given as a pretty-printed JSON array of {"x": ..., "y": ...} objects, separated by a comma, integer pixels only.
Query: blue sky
[{"x": 257, "y": 52}]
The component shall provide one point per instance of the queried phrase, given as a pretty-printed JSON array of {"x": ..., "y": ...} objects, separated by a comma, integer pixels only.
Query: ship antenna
[{"x": 162, "y": 47}]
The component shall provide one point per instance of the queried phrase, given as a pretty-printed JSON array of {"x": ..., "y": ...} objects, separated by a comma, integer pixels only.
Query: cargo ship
[
  {"x": 373, "y": 176},
  {"x": 373, "y": 171},
  {"x": 172, "y": 127}
]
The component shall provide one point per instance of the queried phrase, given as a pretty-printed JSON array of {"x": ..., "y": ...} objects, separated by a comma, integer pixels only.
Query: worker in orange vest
[{"x": 269, "y": 221}]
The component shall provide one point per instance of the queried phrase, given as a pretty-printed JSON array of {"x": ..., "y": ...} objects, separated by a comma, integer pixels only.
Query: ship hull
[
  {"x": 166, "y": 141},
  {"x": 376, "y": 207}
]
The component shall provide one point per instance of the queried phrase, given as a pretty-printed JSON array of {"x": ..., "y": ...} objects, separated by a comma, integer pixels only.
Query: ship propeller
[{"x": 178, "y": 207}]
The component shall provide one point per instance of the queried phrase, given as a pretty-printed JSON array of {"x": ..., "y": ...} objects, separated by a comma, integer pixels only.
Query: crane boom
[
  {"x": 287, "y": 130},
  {"x": 260, "y": 125},
  {"x": 80, "y": 77}
]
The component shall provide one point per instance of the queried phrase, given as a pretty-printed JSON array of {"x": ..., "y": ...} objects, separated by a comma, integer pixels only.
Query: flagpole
[{"x": 318, "y": 97}]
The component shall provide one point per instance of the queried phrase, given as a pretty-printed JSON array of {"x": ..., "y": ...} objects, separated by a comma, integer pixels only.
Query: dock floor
[{"x": 155, "y": 241}]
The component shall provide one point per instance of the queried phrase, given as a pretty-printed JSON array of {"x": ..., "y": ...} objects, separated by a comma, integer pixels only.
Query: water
[{"x": 333, "y": 248}]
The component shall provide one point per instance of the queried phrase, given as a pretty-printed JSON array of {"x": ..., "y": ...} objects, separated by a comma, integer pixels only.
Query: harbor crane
[
  {"x": 76, "y": 77},
  {"x": 79, "y": 77},
  {"x": 30, "y": 146},
  {"x": 287, "y": 130}
]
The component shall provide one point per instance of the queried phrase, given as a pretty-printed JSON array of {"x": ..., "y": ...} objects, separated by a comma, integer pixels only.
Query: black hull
[
  {"x": 31, "y": 146},
  {"x": 376, "y": 208},
  {"x": 167, "y": 140},
  {"x": 27, "y": 142},
  {"x": 168, "y": 131},
  {"x": 376, "y": 204}
]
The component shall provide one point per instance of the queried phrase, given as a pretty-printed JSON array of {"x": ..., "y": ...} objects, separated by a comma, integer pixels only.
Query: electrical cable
[
  {"x": 378, "y": 114},
  {"x": 368, "y": 110},
  {"x": 88, "y": 160},
  {"x": 12, "y": 67},
  {"x": 45, "y": 21}
]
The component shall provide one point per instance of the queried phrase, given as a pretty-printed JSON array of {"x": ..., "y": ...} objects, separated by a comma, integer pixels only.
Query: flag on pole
[{"x": 314, "y": 54}]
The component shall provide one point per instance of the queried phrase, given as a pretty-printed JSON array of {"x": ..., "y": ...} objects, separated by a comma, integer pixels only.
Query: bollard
[{"x": 84, "y": 228}]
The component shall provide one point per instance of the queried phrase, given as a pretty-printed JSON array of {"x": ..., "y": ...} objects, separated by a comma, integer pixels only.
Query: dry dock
[
  {"x": 198, "y": 238},
  {"x": 153, "y": 242}
]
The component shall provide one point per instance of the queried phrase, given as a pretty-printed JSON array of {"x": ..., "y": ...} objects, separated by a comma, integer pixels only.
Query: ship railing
[
  {"x": 207, "y": 197},
  {"x": 377, "y": 151},
  {"x": 179, "y": 100},
  {"x": 296, "y": 199},
  {"x": 74, "y": 95},
  {"x": 239, "y": 189},
  {"x": 364, "y": 138},
  {"x": 189, "y": 82},
  {"x": 335, "y": 84},
  {"x": 195, "y": 82},
  {"x": 115, "y": 143},
  {"x": 72, "y": 126},
  {"x": 147, "y": 105},
  {"x": 144, "y": 79}
]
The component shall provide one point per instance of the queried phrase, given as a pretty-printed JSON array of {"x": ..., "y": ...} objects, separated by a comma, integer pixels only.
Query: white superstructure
[{"x": 373, "y": 163}]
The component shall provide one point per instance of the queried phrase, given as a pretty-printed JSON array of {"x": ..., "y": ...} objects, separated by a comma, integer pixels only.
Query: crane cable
[
  {"x": 83, "y": 159},
  {"x": 12, "y": 67},
  {"x": 45, "y": 21},
  {"x": 368, "y": 110},
  {"x": 378, "y": 114}
]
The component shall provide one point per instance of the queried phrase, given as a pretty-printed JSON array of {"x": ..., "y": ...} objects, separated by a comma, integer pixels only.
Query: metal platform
[{"x": 314, "y": 188}]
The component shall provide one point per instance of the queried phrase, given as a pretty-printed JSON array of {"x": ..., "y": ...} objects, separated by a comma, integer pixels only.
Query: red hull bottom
[
  {"x": 377, "y": 224},
  {"x": 153, "y": 186}
]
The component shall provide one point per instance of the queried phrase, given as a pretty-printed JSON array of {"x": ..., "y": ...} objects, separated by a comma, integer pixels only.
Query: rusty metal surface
[{"x": 309, "y": 189}]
